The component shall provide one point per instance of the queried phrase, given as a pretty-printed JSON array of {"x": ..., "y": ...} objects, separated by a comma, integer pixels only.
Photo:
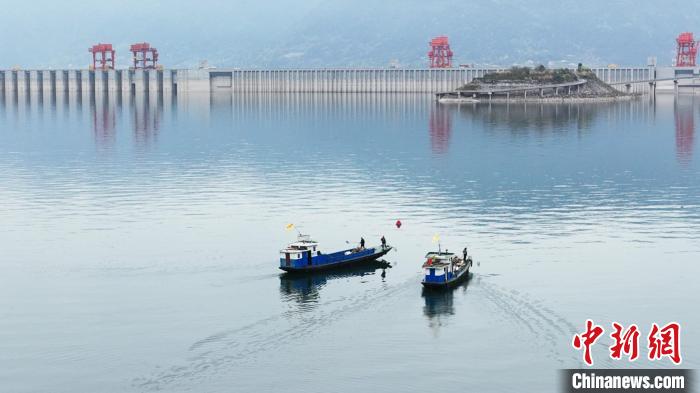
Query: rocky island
[{"x": 535, "y": 84}]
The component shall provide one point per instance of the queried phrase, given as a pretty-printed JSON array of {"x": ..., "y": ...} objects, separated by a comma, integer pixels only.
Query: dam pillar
[
  {"x": 112, "y": 81},
  {"x": 154, "y": 81},
  {"x": 61, "y": 81},
  {"x": 167, "y": 81},
  {"x": 127, "y": 81},
  {"x": 10, "y": 82},
  {"x": 48, "y": 79},
  {"x": 87, "y": 79},
  {"x": 22, "y": 81},
  {"x": 139, "y": 82},
  {"x": 100, "y": 81},
  {"x": 30, "y": 82},
  {"x": 36, "y": 80},
  {"x": 76, "y": 81}
]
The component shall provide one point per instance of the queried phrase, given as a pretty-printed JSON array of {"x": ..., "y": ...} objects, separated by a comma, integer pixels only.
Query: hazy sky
[{"x": 350, "y": 33}]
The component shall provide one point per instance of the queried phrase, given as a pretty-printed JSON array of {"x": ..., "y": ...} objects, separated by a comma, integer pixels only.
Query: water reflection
[
  {"x": 524, "y": 118},
  {"x": 147, "y": 114},
  {"x": 103, "y": 121},
  {"x": 442, "y": 123},
  {"x": 684, "y": 114},
  {"x": 439, "y": 303},
  {"x": 274, "y": 107},
  {"x": 304, "y": 288},
  {"x": 440, "y": 128},
  {"x": 376, "y": 141}
]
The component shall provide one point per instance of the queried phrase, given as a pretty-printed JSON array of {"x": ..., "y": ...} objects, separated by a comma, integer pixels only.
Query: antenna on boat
[{"x": 289, "y": 227}]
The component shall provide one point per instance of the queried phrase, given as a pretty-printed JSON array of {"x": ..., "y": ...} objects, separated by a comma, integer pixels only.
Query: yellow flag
[
  {"x": 289, "y": 227},
  {"x": 436, "y": 238}
]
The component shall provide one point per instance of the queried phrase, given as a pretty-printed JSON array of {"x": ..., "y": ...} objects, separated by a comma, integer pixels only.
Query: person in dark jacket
[
  {"x": 383, "y": 242},
  {"x": 464, "y": 253},
  {"x": 362, "y": 243}
]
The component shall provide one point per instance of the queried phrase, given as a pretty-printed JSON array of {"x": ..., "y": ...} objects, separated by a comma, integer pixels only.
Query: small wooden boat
[
  {"x": 445, "y": 269},
  {"x": 304, "y": 255}
]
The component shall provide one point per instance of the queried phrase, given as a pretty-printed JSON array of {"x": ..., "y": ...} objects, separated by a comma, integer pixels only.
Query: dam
[{"x": 231, "y": 80}]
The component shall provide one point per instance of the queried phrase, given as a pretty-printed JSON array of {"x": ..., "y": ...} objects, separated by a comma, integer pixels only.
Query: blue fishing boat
[
  {"x": 445, "y": 269},
  {"x": 305, "y": 255}
]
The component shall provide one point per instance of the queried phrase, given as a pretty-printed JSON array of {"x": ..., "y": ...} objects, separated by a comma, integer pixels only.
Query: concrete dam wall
[
  {"x": 270, "y": 81},
  {"x": 84, "y": 81}
]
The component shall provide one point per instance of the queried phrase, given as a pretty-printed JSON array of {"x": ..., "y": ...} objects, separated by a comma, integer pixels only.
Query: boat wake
[
  {"x": 227, "y": 348},
  {"x": 538, "y": 323},
  {"x": 544, "y": 327}
]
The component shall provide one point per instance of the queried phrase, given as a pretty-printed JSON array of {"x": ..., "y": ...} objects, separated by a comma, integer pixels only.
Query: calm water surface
[{"x": 139, "y": 239}]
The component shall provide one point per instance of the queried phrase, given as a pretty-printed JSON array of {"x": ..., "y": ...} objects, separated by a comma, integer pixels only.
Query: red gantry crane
[
  {"x": 145, "y": 57},
  {"x": 440, "y": 54},
  {"x": 102, "y": 57},
  {"x": 687, "y": 50}
]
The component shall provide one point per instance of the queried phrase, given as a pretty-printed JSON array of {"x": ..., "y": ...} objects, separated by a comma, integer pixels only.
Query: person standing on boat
[
  {"x": 362, "y": 243},
  {"x": 464, "y": 252},
  {"x": 383, "y": 242}
]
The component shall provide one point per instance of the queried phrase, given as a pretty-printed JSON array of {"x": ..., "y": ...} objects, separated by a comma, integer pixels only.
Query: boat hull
[
  {"x": 454, "y": 281},
  {"x": 335, "y": 260}
]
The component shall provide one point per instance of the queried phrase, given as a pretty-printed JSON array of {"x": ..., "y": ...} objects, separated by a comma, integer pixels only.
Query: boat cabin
[
  {"x": 304, "y": 247},
  {"x": 439, "y": 258},
  {"x": 440, "y": 266}
]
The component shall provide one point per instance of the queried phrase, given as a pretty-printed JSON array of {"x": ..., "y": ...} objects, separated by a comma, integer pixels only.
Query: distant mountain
[{"x": 345, "y": 33}]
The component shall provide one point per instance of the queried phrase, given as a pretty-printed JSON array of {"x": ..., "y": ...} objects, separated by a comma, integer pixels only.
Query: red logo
[
  {"x": 626, "y": 342},
  {"x": 586, "y": 339},
  {"x": 663, "y": 341}
]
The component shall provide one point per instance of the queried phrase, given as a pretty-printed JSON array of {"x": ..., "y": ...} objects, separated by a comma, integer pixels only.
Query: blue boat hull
[
  {"x": 310, "y": 262},
  {"x": 449, "y": 282}
]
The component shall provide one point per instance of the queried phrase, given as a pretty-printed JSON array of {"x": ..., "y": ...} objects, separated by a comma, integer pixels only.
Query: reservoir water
[{"x": 139, "y": 240}]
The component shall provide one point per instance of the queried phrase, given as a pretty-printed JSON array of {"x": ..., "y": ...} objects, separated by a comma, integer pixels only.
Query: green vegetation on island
[{"x": 517, "y": 80}]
